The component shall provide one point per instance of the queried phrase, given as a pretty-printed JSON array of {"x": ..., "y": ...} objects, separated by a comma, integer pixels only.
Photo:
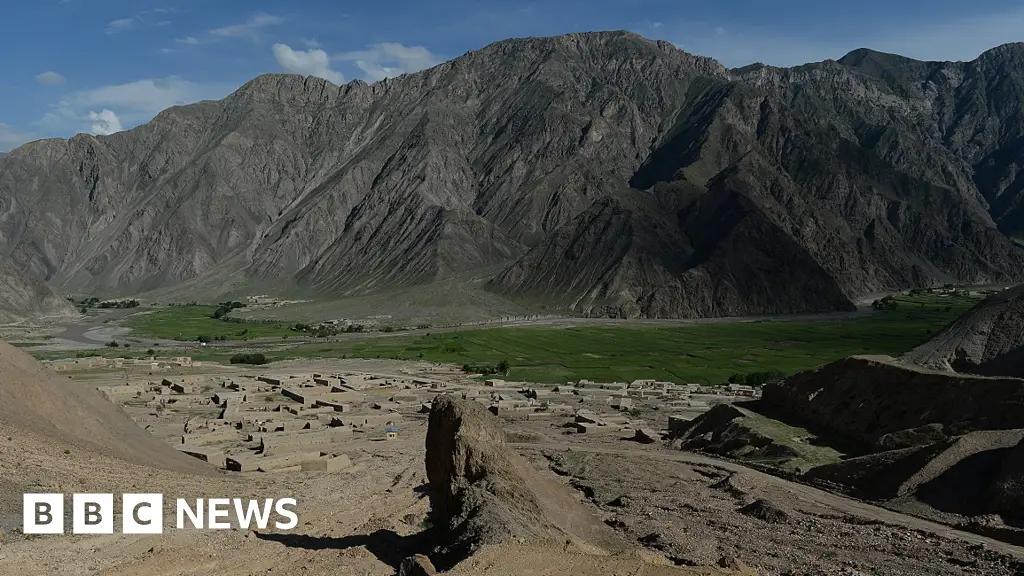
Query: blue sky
[{"x": 104, "y": 65}]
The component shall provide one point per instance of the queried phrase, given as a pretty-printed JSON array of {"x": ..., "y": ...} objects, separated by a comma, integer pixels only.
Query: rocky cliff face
[
  {"x": 859, "y": 400},
  {"x": 987, "y": 340},
  {"x": 611, "y": 174}
]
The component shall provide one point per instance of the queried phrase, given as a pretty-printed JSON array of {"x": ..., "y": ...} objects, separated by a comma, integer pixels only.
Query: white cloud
[
  {"x": 115, "y": 26},
  {"x": 11, "y": 137},
  {"x": 50, "y": 78},
  {"x": 190, "y": 40},
  {"x": 313, "y": 62},
  {"x": 148, "y": 96},
  {"x": 310, "y": 43},
  {"x": 390, "y": 59},
  {"x": 658, "y": 25},
  {"x": 249, "y": 29},
  {"x": 124, "y": 105},
  {"x": 104, "y": 122}
]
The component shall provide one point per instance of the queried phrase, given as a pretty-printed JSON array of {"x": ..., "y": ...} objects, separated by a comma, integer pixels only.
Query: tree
[
  {"x": 112, "y": 344},
  {"x": 150, "y": 352},
  {"x": 252, "y": 358},
  {"x": 503, "y": 367}
]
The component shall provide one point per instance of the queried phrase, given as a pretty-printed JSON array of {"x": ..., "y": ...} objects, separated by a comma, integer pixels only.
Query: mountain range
[{"x": 601, "y": 173}]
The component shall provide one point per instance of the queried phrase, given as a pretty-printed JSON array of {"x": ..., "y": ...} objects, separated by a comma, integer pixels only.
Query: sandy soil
[{"x": 683, "y": 509}]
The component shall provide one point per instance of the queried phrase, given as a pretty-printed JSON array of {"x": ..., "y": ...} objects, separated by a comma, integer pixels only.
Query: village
[{"x": 305, "y": 418}]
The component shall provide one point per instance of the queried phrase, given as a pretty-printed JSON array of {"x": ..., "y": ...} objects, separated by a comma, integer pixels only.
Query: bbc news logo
[{"x": 144, "y": 513}]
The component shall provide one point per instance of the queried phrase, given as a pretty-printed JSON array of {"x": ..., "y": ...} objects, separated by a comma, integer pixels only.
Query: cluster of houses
[
  {"x": 154, "y": 363},
  {"x": 276, "y": 422}
]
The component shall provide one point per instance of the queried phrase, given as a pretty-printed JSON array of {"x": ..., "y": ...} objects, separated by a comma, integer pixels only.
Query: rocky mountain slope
[
  {"x": 23, "y": 298},
  {"x": 608, "y": 174},
  {"x": 987, "y": 340}
]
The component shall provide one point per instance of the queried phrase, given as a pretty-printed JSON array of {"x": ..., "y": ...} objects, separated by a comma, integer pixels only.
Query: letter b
[
  {"x": 92, "y": 513},
  {"x": 42, "y": 514}
]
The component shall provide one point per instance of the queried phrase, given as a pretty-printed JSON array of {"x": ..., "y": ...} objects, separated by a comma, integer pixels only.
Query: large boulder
[{"x": 483, "y": 492}]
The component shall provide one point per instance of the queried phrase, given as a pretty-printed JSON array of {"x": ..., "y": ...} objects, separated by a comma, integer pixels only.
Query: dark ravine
[{"x": 609, "y": 174}]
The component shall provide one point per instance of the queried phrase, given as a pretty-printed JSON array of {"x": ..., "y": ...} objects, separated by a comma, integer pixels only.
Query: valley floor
[{"x": 547, "y": 350}]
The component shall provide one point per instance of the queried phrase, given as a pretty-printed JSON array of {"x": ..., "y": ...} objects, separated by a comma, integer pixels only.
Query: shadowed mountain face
[
  {"x": 608, "y": 173},
  {"x": 23, "y": 298}
]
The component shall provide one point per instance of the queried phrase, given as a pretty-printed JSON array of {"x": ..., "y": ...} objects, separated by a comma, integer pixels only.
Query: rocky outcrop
[
  {"x": 1006, "y": 492},
  {"x": 418, "y": 565},
  {"x": 742, "y": 434},
  {"x": 861, "y": 399},
  {"x": 987, "y": 340},
  {"x": 478, "y": 496},
  {"x": 484, "y": 493}
]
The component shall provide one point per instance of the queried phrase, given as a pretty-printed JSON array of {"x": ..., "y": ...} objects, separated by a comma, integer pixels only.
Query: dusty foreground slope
[
  {"x": 366, "y": 520},
  {"x": 63, "y": 436},
  {"x": 34, "y": 399},
  {"x": 987, "y": 340}
]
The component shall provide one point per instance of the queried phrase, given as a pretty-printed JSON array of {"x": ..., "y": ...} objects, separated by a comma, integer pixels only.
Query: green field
[
  {"x": 710, "y": 352},
  {"x": 188, "y": 323},
  {"x": 692, "y": 353}
]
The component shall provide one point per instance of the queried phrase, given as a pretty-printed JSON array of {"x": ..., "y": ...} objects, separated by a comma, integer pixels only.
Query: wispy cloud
[
  {"x": 390, "y": 59},
  {"x": 50, "y": 78},
  {"x": 112, "y": 108},
  {"x": 252, "y": 29},
  {"x": 120, "y": 25},
  {"x": 189, "y": 40},
  {"x": 144, "y": 19}
]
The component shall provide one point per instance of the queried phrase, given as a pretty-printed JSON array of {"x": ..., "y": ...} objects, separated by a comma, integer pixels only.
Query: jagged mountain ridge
[{"x": 613, "y": 174}]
